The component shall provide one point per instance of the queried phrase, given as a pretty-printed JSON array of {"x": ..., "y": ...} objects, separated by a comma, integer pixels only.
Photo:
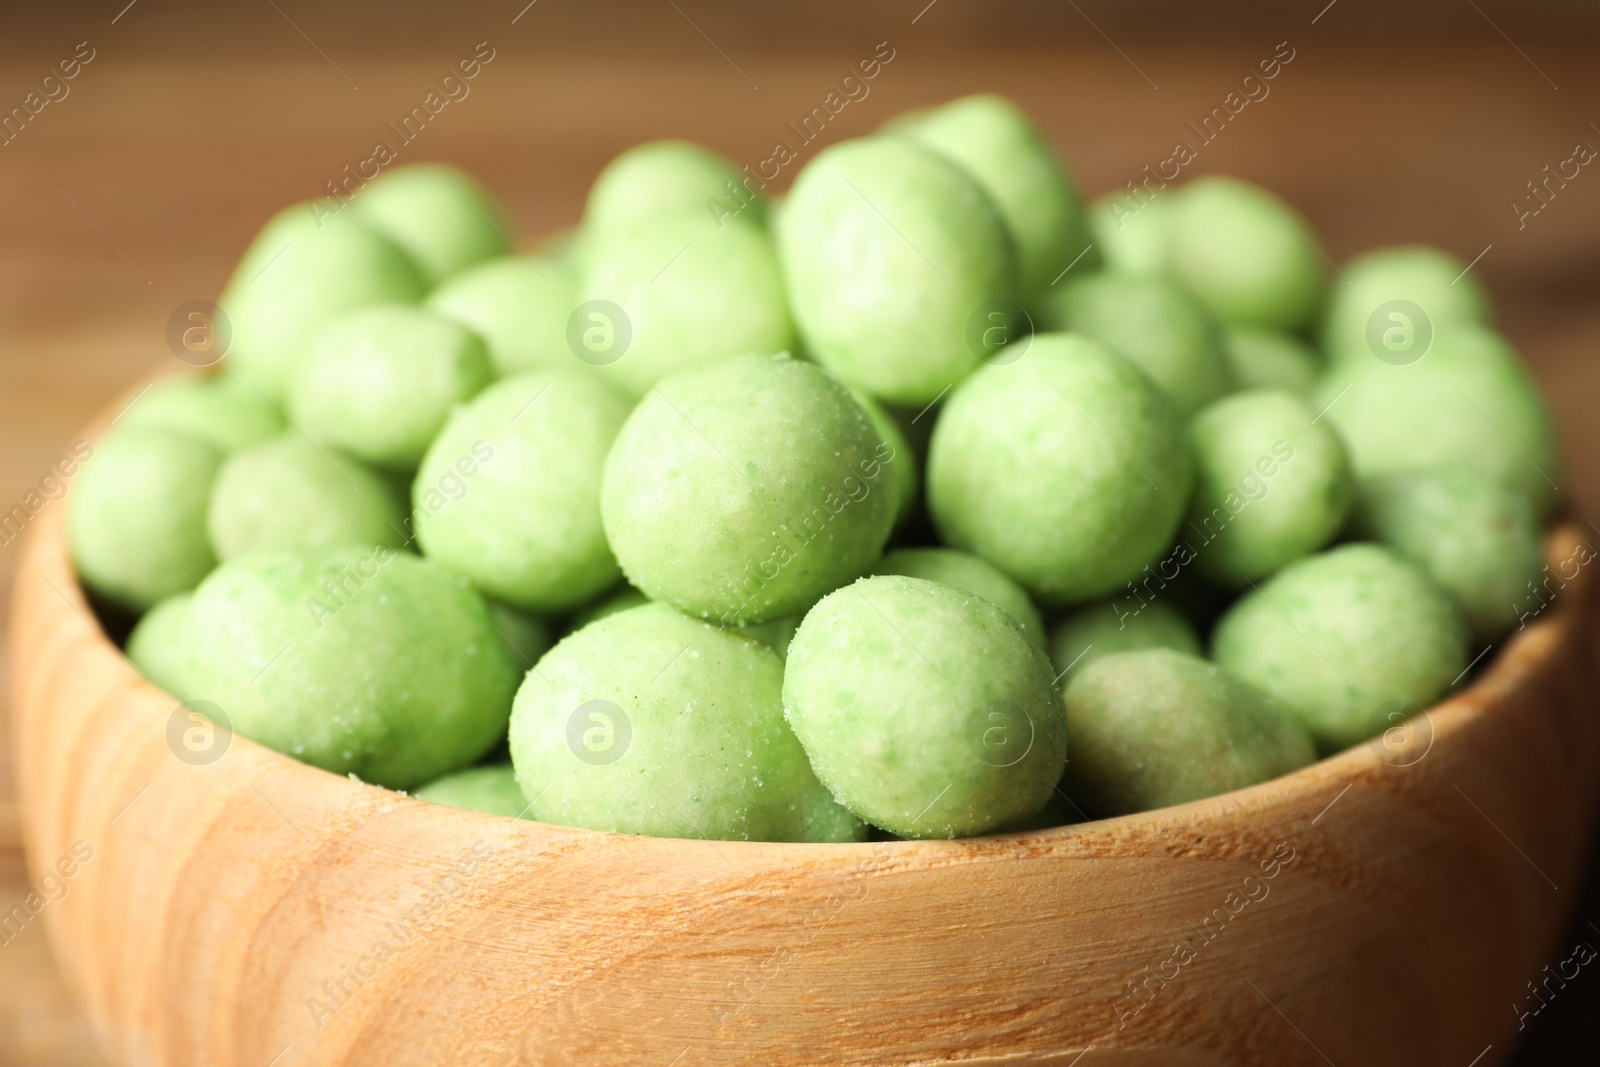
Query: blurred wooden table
[{"x": 137, "y": 191}]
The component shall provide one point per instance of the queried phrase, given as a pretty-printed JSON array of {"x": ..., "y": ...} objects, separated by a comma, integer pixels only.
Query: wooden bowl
[{"x": 1385, "y": 906}]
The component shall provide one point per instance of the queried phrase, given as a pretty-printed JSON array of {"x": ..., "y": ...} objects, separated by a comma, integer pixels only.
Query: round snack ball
[
  {"x": 222, "y": 410},
  {"x": 443, "y": 219},
  {"x": 1271, "y": 485},
  {"x": 890, "y": 251},
  {"x": 970, "y": 574},
  {"x": 509, "y": 492},
  {"x": 650, "y": 722},
  {"x": 519, "y": 307},
  {"x": 688, "y": 293},
  {"x": 1132, "y": 233},
  {"x": 924, "y": 708},
  {"x": 622, "y": 598},
  {"x": 528, "y": 636},
  {"x": 311, "y": 263},
  {"x": 1122, "y": 625},
  {"x": 380, "y": 382},
  {"x": 1245, "y": 254},
  {"x": 492, "y": 790},
  {"x": 1435, "y": 282},
  {"x": 1152, "y": 322},
  {"x": 745, "y": 490},
  {"x": 993, "y": 140},
  {"x": 1068, "y": 469},
  {"x": 1157, "y": 727},
  {"x": 900, "y": 461},
  {"x": 137, "y": 522},
  {"x": 353, "y": 659},
  {"x": 662, "y": 179},
  {"x": 1479, "y": 540},
  {"x": 1468, "y": 402},
  {"x": 158, "y": 647},
  {"x": 1270, "y": 359},
  {"x": 288, "y": 493},
  {"x": 1339, "y": 638}
]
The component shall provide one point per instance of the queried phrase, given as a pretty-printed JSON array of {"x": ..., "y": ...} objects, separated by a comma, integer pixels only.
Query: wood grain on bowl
[{"x": 1385, "y": 906}]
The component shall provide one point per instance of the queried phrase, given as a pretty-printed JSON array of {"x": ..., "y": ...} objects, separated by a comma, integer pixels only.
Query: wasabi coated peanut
[
  {"x": 443, "y": 219},
  {"x": 1247, "y": 255},
  {"x": 509, "y": 492},
  {"x": 669, "y": 179},
  {"x": 1158, "y": 727},
  {"x": 994, "y": 142},
  {"x": 1123, "y": 625},
  {"x": 689, "y": 294},
  {"x": 1469, "y": 402},
  {"x": 1068, "y": 469},
  {"x": 1131, "y": 233},
  {"x": 492, "y": 790},
  {"x": 970, "y": 574},
  {"x": 745, "y": 490},
  {"x": 650, "y": 722},
  {"x": 1152, "y": 322},
  {"x": 528, "y": 636},
  {"x": 902, "y": 461},
  {"x": 924, "y": 708},
  {"x": 1269, "y": 359},
  {"x": 889, "y": 252},
  {"x": 158, "y": 647},
  {"x": 380, "y": 382},
  {"x": 1342, "y": 638},
  {"x": 519, "y": 307},
  {"x": 308, "y": 265},
  {"x": 1479, "y": 540},
  {"x": 222, "y": 410},
  {"x": 288, "y": 493},
  {"x": 1271, "y": 485},
  {"x": 1380, "y": 284},
  {"x": 356, "y": 660},
  {"x": 136, "y": 524}
]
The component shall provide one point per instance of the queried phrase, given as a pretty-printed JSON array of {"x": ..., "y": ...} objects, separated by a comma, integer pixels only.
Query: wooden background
[{"x": 193, "y": 122}]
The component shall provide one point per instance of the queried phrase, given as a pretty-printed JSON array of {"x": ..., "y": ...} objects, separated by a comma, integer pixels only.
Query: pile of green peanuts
[{"x": 927, "y": 501}]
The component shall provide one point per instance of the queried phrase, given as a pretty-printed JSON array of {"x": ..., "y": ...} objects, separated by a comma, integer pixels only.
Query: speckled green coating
[
  {"x": 1131, "y": 232},
  {"x": 889, "y": 250},
  {"x": 136, "y": 516},
  {"x": 743, "y": 491},
  {"x": 692, "y": 293},
  {"x": 297, "y": 275},
  {"x": 1246, "y": 254},
  {"x": 527, "y": 635},
  {"x": 1336, "y": 638},
  {"x": 491, "y": 789},
  {"x": 993, "y": 141},
  {"x": 444, "y": 220},
  {"x": 1270, "y": 359},
  {"x": 662, "y": 179},
  {"x": 518, "y": 306},
  {"x": 697, "y": 743},
  {"x": 356, "y": 660},
  {"x": 1152, "y": 322},
  {"x": 1479, "y": 540},
  {"x": 924, "y": 708},
  {"x": 1469, "y": 402},
  {"x": 1157, "y": 727},
  {"x": 1270, "y": 485},
  {"x": 1068, "y": 469},
  {"x": 380, "y": 382},
  {"x": 288, "y": 493},
  {"x": 973, "y": 575},
  {"x": 1434, "y": 280},
  {"x": 158, "y": 647},
  {"x": 509, "y": 492},
  {"x": 1122, "y": 625},
  {"x": 902, "y": 464},
  {"x": 223, "y": 410}
]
